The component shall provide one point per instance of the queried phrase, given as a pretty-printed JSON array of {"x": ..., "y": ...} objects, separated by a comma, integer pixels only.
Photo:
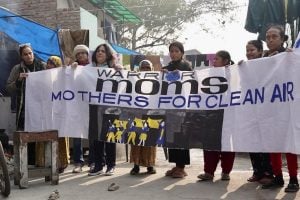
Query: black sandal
[
  {"x": 151, "y": 170},
  {"x": 135, "y": 170}
]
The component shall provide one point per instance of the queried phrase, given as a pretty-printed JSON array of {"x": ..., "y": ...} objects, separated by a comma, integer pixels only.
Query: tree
[{"x": 163, "y": 20}]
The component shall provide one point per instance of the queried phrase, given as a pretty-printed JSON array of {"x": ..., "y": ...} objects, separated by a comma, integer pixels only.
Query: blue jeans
[{"x": 77, "y": 151}]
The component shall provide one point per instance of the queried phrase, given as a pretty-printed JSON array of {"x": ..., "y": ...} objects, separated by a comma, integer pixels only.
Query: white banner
[{"x": 260, "y": 99}]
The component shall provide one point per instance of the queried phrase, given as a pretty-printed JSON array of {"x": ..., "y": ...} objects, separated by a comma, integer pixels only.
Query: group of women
[{"x": 267, "y": 167}]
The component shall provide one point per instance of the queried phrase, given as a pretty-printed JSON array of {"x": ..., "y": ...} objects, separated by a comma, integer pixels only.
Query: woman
[
  {"x": 63, "y": 143},
  {"x": 180, "y": 157},
  {"x": 262, "y": 170},
  {"x": 105, "y": 153},
  {"x": 211, "y": 158},
  {"x": 81, "y": 54},
  {"x": 139, "y": 155},
  {"x": 16, "y": 85},
  {"x": 275, "y": 39}
]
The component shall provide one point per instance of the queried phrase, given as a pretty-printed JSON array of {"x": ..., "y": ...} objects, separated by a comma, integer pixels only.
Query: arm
[{"x": 13, "y": 84}]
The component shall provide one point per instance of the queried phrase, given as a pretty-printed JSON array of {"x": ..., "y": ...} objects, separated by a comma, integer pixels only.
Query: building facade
[{"x": 101, "y": 17}]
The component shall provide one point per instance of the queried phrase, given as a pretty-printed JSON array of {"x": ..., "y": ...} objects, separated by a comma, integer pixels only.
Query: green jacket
[{"x": 16, "y": 87}]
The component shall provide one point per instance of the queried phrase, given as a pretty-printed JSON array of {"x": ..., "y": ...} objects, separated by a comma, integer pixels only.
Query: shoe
[
  {"x": 225, "y": 177},
  {"x": 254, "y": 179},
  {"x": 110, "y": 171},
  {"x": 61, "y": 170},
  {"x": 205, "y": 177},
  {"x": 77, "y": 168},
  {"x": 292, "y": 187},
  {"x": 96, "y": 172},
  {"x": 113, "y": 187},
  {"x": 171, "y": 171},
  {"x": 135, "y": 170},
  {"x": 179, "y": 173},
  {"x": 277, "y": 182},
  {"x": 92, "y": 167},
  {"x": 151, "y": 170}
]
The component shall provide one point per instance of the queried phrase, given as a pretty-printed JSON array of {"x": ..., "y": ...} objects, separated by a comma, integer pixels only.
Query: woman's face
[
  {"x": 273, "y": 39},
  {"x": 50, "y": 65},
  {"x": 82, "y": 57},
  {"x": 175, "y": 53},
  {"x": 145, "y": 67},
  {"x": 101, "y": 55},
  {"x": 252, "y": 52},
  {"x": 27, "y": 56},
  {"x": 219, "y": 62}
]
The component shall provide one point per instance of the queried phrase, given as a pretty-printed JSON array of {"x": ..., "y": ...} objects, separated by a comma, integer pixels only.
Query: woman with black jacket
[{"x": 180, "y": 157}]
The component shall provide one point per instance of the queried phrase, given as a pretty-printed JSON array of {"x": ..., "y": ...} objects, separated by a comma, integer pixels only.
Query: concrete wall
[{"x": 90, "y": 22}]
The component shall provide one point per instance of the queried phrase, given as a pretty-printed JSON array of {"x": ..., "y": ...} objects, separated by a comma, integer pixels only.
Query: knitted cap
[
  {"x": 55, "y": 60},
  {"x": 81, "y": 48},
  {"x": 143, "y": 62}
]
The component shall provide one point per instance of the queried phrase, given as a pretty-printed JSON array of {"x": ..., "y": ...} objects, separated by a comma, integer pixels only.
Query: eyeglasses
[{"x": 24, "y": 45}]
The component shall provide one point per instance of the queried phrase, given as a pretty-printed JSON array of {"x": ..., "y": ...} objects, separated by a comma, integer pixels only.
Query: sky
[{"x": 231, "y": 36}]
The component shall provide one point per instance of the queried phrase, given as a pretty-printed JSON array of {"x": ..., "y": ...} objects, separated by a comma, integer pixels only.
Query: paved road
[{"x": 157, "y": 186}]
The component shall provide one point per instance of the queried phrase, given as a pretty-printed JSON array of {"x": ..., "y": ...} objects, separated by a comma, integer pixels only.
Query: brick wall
[{"x": 45, "y": 12}]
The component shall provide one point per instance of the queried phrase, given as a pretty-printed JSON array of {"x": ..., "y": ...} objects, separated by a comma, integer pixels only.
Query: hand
[
  {"x": 240, "y": 62},
  {"x": 22, "y": 76},
  {"x": 288, "y": 50},
  {"x": 118, "y": 67},
  {"x": 67, "y": 61},
  {"x": 74, "y": 64}
]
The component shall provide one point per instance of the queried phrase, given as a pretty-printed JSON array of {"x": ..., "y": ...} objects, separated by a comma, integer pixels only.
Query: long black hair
[
  {"x": 177, "y": 44},
  {"x": 109, "y": 54},
  {"x": 225, "y": 55},
  {"x": 257, "y": 43}
]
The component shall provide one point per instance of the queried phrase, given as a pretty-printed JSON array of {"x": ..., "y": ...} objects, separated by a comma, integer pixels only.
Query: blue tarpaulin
[
  {"x": 123, "y": 50},
  {"x": 43, "y": 40}
]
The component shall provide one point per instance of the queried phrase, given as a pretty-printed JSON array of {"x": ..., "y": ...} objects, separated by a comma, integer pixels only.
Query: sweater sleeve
[{"x": 12, "y": 83}]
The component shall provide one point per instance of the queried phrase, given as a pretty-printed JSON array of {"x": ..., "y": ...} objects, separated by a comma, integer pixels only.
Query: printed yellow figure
[
  {"x": 154, "y": 123},
  {"x": 136, "y": 123},
  {"x": 111, "y": 132},
  {"x": 160, "y": 141},
  {"x": 143, "y": 135},
  {"x": 120, "y": 128}
]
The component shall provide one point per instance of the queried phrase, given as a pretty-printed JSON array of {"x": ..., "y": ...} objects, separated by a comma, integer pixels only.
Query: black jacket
[{"x": 181, "y": 65}]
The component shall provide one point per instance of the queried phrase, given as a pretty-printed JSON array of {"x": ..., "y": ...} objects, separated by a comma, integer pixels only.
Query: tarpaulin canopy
[
  {"x": 43, "y": 40},
  {"x": 123, "y": 50},
  {"x": 116, "y": 9}
]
